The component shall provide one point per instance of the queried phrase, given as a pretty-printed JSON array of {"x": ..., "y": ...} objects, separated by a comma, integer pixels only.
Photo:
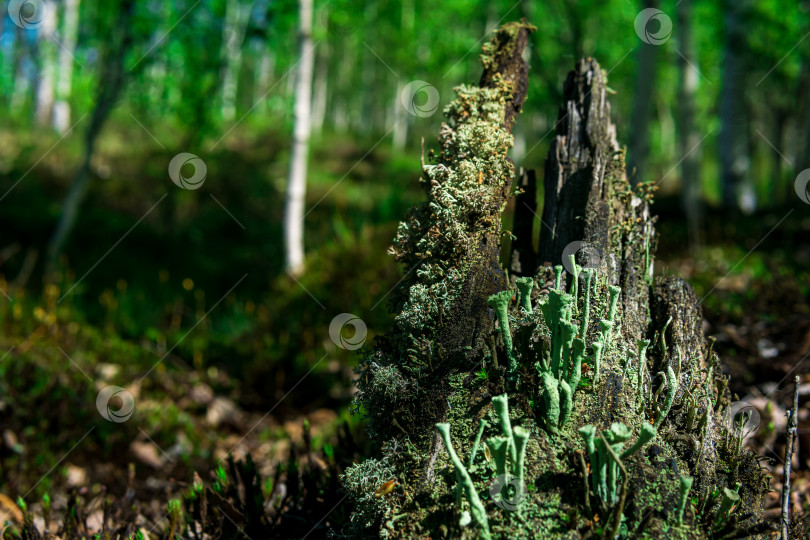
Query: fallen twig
[{"x": 792, "y": 424}]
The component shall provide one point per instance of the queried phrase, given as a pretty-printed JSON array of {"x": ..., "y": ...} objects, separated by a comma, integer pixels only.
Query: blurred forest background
[{"x": 113, "y": 275}]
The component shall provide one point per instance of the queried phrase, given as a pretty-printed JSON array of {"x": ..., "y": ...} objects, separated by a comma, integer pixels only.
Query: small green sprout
[
  {"x": 499, "y": 449},
  {"x": 521, "y": 438},
  {"x": 482, "y": 424},
  {"x": 686, "y": 485},
  {"x": 499, "y": 302},
  {"x": 586, "y": 308},
  {"x": 501, "y": 405},
  {"x": 672, "y": 387},
  {"x": 551, "y": 400},
  {"x": 477, "y": 509},
  {"x": 647, "y": 434},
  {"x": 524, "y": 286},
  {"x": 575, "y": 371},
  {"x": 616, "y": 437},
  {"x": 727, "y": 504},
  {"x": 642, "y": 362}
]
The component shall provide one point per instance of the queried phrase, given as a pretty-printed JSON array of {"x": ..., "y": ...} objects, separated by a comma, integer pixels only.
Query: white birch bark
[
  {"x": 70, "y": 28},
  {"x": 296, "y": 188},
  {"x": 47, "y": 59},
  {"x": 233, "y": 33}
]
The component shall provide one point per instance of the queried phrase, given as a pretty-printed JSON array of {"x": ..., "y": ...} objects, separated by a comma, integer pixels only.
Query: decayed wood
[
  {"x": 470, "y": 313},
  {"x": 523, "y": 257},
  {"x": 587, "y": 199}
]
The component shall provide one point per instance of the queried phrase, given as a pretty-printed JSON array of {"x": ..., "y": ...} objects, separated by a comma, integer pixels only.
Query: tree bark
[
  {"x": 296, "y": 188},
  {"x": 46, "y": 51},
  {"x": 111, "y": 82},
  {"x": 70, "y": 29},
  {"x": 233, "y": 33}
]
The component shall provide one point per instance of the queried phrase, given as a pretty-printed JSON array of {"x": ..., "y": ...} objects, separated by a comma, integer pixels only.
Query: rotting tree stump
[{"x": 472, "y": 395}]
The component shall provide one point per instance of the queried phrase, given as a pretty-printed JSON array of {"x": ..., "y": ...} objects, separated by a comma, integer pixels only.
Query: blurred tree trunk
[
  {"x": 262, "y": 76},
  {"x": 46, "y": 52},
  {"x": 233, "y": 34},
  {"x": 70, "y": 29},
  {"x": 688, "y": 136},
  {"x": 22, "y": 81},
  {"x": 400, "y": 135},
  {"x": 735, "y": 163},
  {"x": 780, "y": 116},
  {"x": 639, "y": 145},
  {"x": 803, "y": 160},
  {"x": 112, "y": 76},
  {"x": 320, "y": 87},
  {"x": 296, "y": 189},
  {"x": 400, "y": 116}
]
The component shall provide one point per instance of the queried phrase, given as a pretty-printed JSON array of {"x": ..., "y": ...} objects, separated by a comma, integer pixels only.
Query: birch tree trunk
[
  {"x": 296, "y": 188},
  {"x": 639, "y": 146},
  {"x": 735, "y": 164},
  {"x": 688, "y": 137},
  {"x": 233, "y": 33},
  {"x": 262, "y": 76},
  {"x": 111, "y": 80},
  {"x": 321, "y": 88},
  {"x": 47, "y": 67},
  {"x": 400, "y": 133},
  {"x": 70, "y": 28}
]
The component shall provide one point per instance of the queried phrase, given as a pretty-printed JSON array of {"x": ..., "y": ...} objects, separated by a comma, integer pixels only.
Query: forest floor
[{"x": 232, "y": 385}]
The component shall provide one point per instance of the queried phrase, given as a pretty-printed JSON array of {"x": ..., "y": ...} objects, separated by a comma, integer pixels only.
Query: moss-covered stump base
[{"x": 580, "y": 399}]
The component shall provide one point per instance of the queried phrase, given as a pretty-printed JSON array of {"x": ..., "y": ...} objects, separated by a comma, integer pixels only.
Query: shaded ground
[{"x": 230, "y": 384}]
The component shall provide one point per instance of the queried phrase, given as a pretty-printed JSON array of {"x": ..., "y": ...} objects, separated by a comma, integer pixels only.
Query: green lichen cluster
[
  {"x": 361, "y": 481},
  {"x": 507, "y": 452},
  {"x": 608, "y": 432},
  {"x": 437, "y": 244}
]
